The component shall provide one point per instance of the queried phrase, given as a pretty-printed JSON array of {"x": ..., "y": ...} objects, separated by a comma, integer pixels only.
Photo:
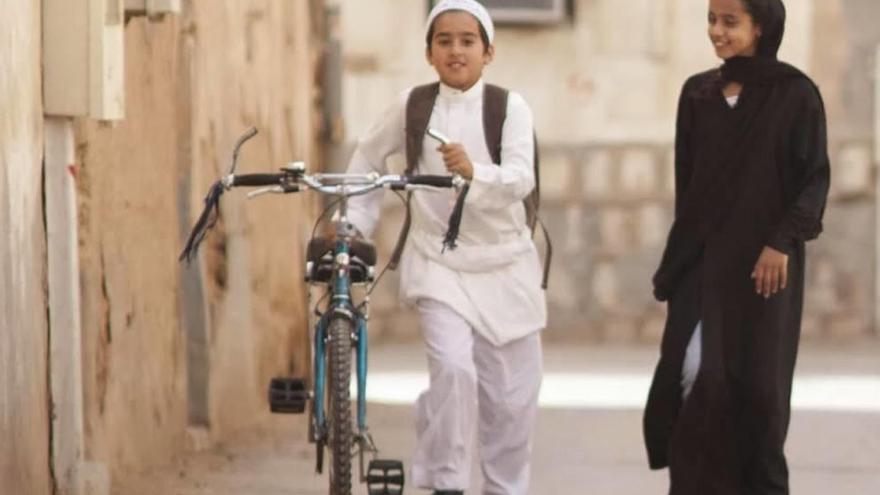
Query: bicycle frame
[
  {"x": 290, "y": 394},
  {"x": 341, "y": 305}
]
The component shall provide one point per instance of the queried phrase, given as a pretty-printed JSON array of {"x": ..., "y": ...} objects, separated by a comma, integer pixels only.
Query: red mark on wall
[
  {"x": 582, "y": 85},
  {"x": 72, "y": 169}
]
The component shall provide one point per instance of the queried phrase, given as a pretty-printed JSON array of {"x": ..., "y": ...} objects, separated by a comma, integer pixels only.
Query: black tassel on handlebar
[
  {"x": 202, "y": 226},
  {"x": 455, "y": 220}
]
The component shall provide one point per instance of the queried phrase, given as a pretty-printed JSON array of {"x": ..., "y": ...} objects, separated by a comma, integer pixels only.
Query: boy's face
[{"x": 457, "y": 51}]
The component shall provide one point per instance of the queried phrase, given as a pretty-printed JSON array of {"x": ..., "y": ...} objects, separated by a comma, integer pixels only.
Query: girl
[{"x": 752, "y": 176}]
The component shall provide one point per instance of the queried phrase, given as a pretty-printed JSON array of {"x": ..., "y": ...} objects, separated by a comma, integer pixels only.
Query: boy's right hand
[{"x": 457, "y": 160}]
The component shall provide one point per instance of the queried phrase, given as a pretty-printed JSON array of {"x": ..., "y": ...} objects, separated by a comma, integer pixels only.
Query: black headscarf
[{"x": 763, "y": 68}]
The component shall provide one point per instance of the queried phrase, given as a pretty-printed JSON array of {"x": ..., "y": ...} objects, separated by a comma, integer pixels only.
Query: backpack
[{"x": 419, "y": 106}]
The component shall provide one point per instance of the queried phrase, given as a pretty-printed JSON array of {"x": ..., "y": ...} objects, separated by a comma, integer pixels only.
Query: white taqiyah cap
[{"x": 472, "y": 7}]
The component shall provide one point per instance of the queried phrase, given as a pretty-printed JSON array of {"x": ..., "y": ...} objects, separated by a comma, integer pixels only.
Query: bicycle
[{"x": 339, "y": 263}]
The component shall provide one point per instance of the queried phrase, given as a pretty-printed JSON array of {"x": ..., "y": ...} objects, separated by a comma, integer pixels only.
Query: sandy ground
[{"x": 578, "y": 449}]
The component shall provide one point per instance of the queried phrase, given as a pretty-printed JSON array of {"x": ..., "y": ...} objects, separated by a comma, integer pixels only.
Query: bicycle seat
[{"x": 320, "y": 255}]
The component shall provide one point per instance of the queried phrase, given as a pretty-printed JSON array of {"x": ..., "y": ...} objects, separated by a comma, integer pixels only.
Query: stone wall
[
  {"x": 603, "y": 87},
  {"x": 174, "y": 353},
  {"x": 608, "y": 209},
  {"x": 172, "y": 356},
  {"x": 24, "y": 401}
]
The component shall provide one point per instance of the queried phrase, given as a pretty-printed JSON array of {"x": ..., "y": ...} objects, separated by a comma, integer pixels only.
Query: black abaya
[{"x": 747, "y": 177}]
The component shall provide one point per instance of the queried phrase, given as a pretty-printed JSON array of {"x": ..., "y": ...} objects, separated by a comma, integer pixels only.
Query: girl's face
[
  {"x": 457, "y": 51},
  {"x": 732, "y": 29}
]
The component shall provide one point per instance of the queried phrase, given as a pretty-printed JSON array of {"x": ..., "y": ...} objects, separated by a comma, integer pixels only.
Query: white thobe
[
  {"x": 493, "y": 278},
  {"x": 481, "y": 305}
]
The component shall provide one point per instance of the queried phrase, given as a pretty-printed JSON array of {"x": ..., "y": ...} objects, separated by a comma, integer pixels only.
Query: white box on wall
[
  {"x": 152, "y": 7},
  {"x": 84, "y": 58},
  {"x": 525, "y": 11}
]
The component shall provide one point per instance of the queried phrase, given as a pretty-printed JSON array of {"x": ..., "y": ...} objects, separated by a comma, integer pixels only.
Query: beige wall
[
  {"x": 603, "y": 87},
  {"x": 194, "y": 83},
  {"x": 164, "y": 347},
  {"x": 24, "y": 402},
  {"x": 612, "y": 72}
]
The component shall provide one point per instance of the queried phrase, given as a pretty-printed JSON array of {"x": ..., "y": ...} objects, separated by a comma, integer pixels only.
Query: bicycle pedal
[
  {"x": 385, "y": 477},
  {"x": 288, "y": 395}
]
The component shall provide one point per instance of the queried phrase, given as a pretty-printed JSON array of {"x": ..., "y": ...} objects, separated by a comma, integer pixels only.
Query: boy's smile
[{"x": 457, "y": 51}]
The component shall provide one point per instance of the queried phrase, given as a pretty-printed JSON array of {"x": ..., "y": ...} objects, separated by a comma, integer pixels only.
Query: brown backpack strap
[
  {"x": 419, "y": 106},
  {"x": 394, "y": 261},
  {"x": 494, "y": 115}
]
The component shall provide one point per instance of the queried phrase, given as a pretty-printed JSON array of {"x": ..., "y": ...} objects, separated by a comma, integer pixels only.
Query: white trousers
[
  {"x": 691, "y": 366},
  {"x": 475, "y": 385}
]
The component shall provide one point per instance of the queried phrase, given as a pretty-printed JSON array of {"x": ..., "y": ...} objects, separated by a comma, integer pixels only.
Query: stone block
[
  {"x": 812, "y": 327},
  {"x": 652, "y": 329},
  {"x": 614, "y": 230},
  {"x": 563, "y": 292},
  {"x": 638, "y": 172},
  {"x": 652, "y": 226},
  {"x": 605, "y": 286},
  {"x": 556, "y": 177},
  {"x": 596, "y": 175},
  {"x": 821, "y": 292},
  {"x": 851, "y": 173},
  {"x": 847, "y": 327},
  {"x": 668, "y": 174},
  {"x": 573, "y": 238},
  {"x": 620, "y": 330}
]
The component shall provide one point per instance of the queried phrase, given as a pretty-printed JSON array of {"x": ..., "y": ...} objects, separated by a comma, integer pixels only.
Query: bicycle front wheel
[{"x": 339, "y": 350}]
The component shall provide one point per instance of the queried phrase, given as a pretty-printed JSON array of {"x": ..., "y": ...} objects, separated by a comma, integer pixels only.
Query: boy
[{"x": 481, "y": 305}]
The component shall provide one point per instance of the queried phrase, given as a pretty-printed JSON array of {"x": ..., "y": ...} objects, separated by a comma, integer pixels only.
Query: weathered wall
[
  {"x": 135, "y": 399},
  {"x": 603, "y": 87},
  {"x": 24, "y": 401},
  {"x": 167, "y": 347}
]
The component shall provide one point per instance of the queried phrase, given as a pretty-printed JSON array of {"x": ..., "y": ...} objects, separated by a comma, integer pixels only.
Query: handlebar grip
[
  {"x": 430, "y": 180},
  {"x": 257, "y": 180}
]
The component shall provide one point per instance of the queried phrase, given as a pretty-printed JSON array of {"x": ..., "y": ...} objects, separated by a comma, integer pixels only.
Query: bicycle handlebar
[
  {"x": 256, "y": 179},
  {"x": 337, "y": 184},
  {"x": 431, "y": 180},
  {"x": 293, "y": 177}
]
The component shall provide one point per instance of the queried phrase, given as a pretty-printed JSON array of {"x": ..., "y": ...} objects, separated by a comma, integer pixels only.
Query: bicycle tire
[{"x": 340, "y": 443}]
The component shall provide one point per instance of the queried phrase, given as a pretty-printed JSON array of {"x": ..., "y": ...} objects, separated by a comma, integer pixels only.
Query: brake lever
[
  {"x": 457, "y": 180},
  {"x": 265, "y": 190},
  {"x": 439, "y": 136},
  {"x": 238, "y": 144}
]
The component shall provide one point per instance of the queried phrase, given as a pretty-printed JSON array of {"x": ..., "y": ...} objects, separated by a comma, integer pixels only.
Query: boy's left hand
[{"x": 456, "y": 160}]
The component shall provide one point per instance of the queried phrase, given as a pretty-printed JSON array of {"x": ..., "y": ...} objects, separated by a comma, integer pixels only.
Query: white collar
[{"x": 472, "y": 93}]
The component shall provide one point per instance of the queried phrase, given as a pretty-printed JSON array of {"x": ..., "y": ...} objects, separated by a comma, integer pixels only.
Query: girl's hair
[
  {"x": 483, "y": 34},
  {"x": 754, "y": 11},
  {"x": 769, "y": 15}
]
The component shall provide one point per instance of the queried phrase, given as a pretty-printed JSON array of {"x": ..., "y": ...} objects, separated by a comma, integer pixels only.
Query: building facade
[
  {"x": 113, "y": 355},
  {"x": 603, "y": 84}
]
